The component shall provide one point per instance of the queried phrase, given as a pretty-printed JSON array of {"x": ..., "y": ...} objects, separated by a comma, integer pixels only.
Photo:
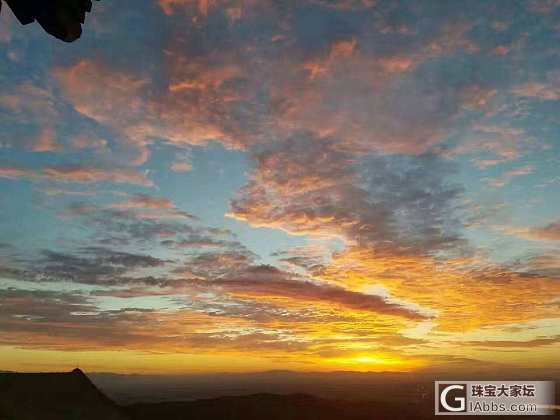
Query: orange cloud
[
  {"x": 539, "y": 90},
  {"x": 550, "y": 232},
  {"x": 112, "y": 98},
  {"x": 169, "y": 6},
  {"x": 144, "y": 201},
  {"x": 91, "y": 175},
  {"x": 208, "y": 96},
  {"x": 345, "y": 86},
  {"x": 12, "y": 173},
  {"x": 80, "y": 175},
  {"x": 452, "y": 290}
]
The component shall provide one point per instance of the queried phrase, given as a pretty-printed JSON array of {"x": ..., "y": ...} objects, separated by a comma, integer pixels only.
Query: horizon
[{"x": 237, "y": 186}]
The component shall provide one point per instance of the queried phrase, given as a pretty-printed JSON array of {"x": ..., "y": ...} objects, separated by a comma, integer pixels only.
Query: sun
[{"x": 374, "y": 362}]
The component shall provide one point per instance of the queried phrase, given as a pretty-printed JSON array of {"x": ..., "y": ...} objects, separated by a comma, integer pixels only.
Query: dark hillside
[
  {"x": 72, "y": 396},
  {"x": 54, "y": 396},
  {"x": 273, "y": 407}
]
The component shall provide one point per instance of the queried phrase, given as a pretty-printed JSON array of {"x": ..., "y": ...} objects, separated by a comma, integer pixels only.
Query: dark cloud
[
  {"x": 90, "y": 265},
  {"x": 198, "y": 242},
  {"x": 269, "y": 281},
  {"x": 69, "y": 321},
  {"x": 307, "y": 185},
  {"x": 537, "y": 342},
  {"x": 20, "y": 307},
  {"x": 126, "y": 226},
  {"x": 214, "y": 265},
  {"x": 538, "y": 265}
]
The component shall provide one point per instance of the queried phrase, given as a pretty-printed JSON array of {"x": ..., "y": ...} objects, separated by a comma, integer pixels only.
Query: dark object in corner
[{"x": 60, "y": 18}]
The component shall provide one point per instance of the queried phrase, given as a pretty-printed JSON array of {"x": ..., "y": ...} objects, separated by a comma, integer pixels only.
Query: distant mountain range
[
  {"x": 72, "y": 396},
  {"x": 275, "y": 407}
]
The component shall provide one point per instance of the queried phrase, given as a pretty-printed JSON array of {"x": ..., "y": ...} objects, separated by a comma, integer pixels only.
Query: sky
[{"x": 316, "y": 185}]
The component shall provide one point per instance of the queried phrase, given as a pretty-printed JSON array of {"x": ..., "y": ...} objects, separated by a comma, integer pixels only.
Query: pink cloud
[
  {"x": 144, "y": 201},
  {"x": 87, "y": 175},
  {"x": 504, "y": 143},
  {"x": 539, "y": 90},
  {"x": 504, "y": 179},
  {"x": 46, "y": 141},
  {"x": 13, "y": 173},
  {"x": 79, "y": 175},
  {"x": 549, "y": 233}
]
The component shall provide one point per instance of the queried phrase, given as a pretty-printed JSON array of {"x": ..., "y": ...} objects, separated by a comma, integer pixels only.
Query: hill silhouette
[
  {"x": 274, "y": 407},
  {"x": 54, "y": 396},
  {"x": 72, "y": 396}
]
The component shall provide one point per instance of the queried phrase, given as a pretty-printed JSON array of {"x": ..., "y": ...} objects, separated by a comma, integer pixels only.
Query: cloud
[
  {"x": 268, "y": 281},
  {"x": 53, "y": 191},
  {"x": 46, "y": 141},
  {"x": 537, "y": 342},
  {"x": 111, "y": 98},
  {"x": 93, "y": 265},
  {"x": 506, "y": 178},
  {"x": 542, "y": 7},
  {"x": 69, "y": 321},
  {"x": 347, "y": 111},
  {"x": 182, "y": 162},
  {"x": 170, "y": 6},
  {"x": 544, "y": 264},
  {"x": 13, "y": 173},
  {"x": 87, "y": 141},
  {"x": 503, "y": 143},
  {"x": 410, "y": 116},
  {"x": 197, "y": 242},
  {"x": 146, "y": 207},
  {"x": 214, "y": 265},
  {"x": 181, "y": 166},
  {"x": 78, "y": 209},
  {"x": 30, "y": 118},
  {"x": 371, "y": 99},
  {"x": 116, "y": 226},
  {"x": 36, "y": 305},
  {"x": 309, "y": 257},
  {"x": 307, "y": 186},
  {"x": 549, "y": 232},
  {"x": 346, "y": 4},
  {"x": 78, "y": 175},
  {"x": 538, "y": 90},
  {"x": 544, "y": 88},
  {"x": 184, "y": 115},
  {"x": 87, "y": 175},
  {"x": 144, "y": 201},
  {"x": 519, "y": 294},
  {"x": 245, "y": 310}
]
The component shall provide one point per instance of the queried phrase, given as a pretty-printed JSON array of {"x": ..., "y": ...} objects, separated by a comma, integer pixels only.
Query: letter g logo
[{"x": 458, "y": 403}]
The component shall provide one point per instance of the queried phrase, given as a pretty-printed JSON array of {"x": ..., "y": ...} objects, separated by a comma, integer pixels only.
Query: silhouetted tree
[{"x": 60, "y": 18}]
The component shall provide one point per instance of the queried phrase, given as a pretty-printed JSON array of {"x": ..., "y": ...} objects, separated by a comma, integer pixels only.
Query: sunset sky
[{"x": 316, "y": 185}]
